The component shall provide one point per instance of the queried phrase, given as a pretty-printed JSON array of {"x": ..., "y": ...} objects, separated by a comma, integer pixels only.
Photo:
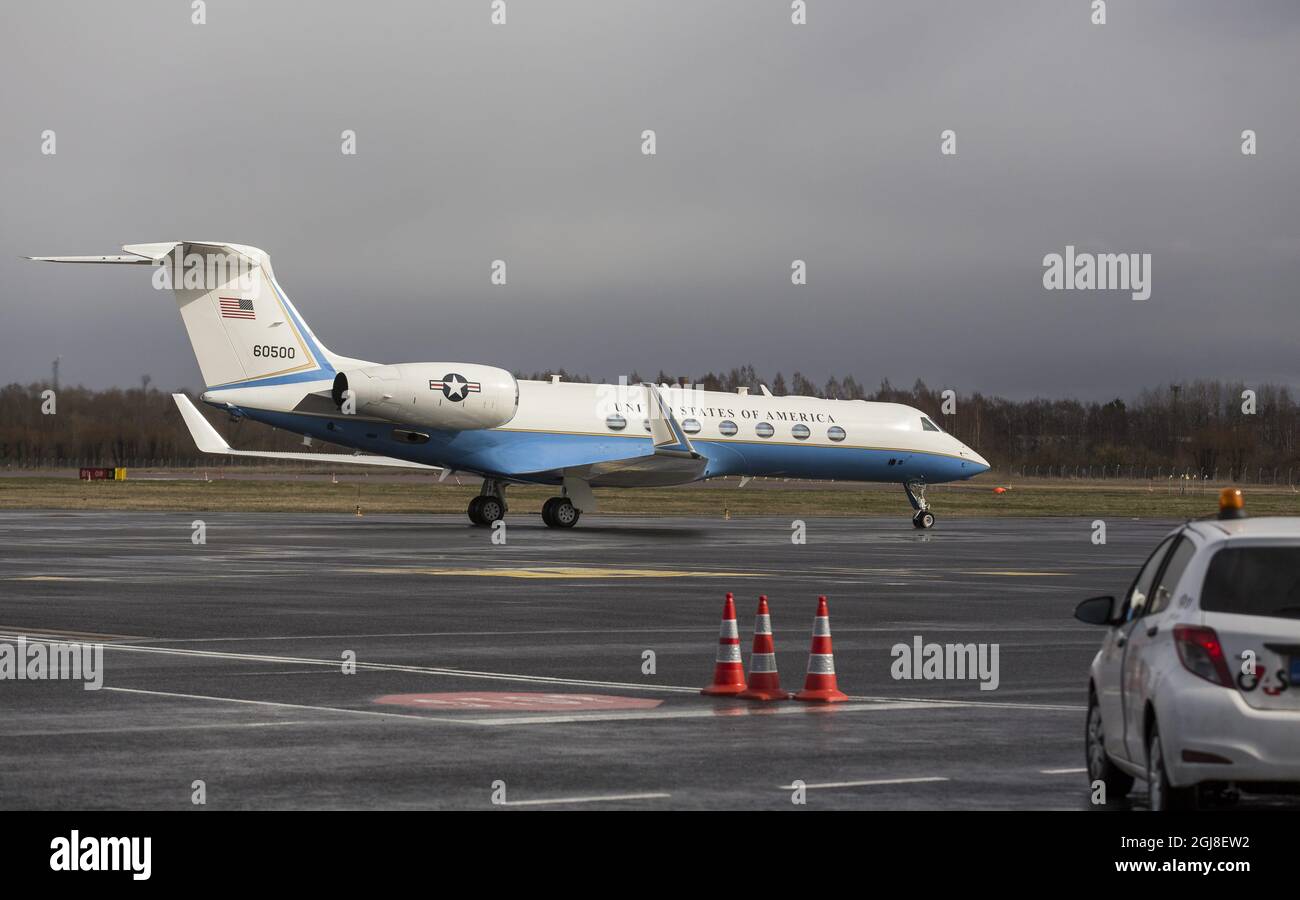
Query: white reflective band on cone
[
  {"x": 728, "y": 629},
  {"x": 821, "y": 664},
  {"x": 762, "y": 662},
  {"x": 821, "y": 626},
  {"x": 728, "y": 653},
  {"x": 763, "y": 624}
]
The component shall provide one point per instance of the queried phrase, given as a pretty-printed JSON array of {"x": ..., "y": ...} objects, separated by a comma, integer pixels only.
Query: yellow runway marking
[{"x": 557, "y": 572}]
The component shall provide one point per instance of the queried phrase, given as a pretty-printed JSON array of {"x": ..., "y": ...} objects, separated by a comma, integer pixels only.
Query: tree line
[{"x": 1226, "y": 430}]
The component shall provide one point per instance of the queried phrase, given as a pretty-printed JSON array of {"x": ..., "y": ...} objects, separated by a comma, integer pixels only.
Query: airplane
[{"x": 261, "y": 361}]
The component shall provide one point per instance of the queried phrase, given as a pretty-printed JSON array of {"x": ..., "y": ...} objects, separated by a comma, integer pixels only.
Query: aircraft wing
[
  {"x": 209, "y": 441},
  {"x": 650, "y": 470},
  {"x": 673, "y": 459}
]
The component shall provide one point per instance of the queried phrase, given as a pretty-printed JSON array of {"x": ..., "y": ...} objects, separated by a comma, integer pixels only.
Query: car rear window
[{"x": 1254, "y": 581}]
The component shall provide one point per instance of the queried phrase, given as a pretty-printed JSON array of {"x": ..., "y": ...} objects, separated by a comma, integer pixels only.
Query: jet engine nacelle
[{"x": 445, "y": 396}]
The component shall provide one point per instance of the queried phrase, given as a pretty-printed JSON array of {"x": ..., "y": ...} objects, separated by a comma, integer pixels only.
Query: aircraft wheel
[
  {"x": 491, "y": 509},
  {"x": 923, "y": 519},
  {"x": 475, "y": 511},
  {"x": 559, "y": 512}
]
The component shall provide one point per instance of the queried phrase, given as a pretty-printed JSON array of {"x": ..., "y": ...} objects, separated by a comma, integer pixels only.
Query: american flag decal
[{"x": 237, "y": 308}]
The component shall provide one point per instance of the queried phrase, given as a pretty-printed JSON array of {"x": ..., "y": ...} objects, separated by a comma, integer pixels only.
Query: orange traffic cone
[
  {"x": 820, "y": 685},
  {"x": 728, "y": 672},
  {"x": 764, "y": 682}
]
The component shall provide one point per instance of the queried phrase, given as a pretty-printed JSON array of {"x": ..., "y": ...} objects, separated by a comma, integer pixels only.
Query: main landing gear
[
  {"x": 559, "y": 512},
  {"x": 490, "y": 505},
  {"x": 916, "y": 496}
]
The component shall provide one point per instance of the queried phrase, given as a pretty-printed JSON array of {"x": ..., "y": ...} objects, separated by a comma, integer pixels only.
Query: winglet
[
  {"x": 205, "y": 436},
  {"x": 668, "y": 436}
]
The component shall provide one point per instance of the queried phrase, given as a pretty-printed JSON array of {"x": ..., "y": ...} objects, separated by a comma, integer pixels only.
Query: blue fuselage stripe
[{"x": 507, "y": 453}]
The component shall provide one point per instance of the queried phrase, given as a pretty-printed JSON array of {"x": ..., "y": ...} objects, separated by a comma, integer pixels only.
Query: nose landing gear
[{"x": 916, "y": 496}]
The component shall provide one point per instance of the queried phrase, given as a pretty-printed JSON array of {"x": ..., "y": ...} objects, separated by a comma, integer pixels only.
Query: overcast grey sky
[{"x": 775, "y": 142}]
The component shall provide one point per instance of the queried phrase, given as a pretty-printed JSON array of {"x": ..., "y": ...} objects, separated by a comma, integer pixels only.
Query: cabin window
[
  {"x": 765, "y": 429},
  {"x": 836, "y": 433},
  {"x": 800, "y": 432},
  {"x": 927, "y": 425},
  {"x": 727, "y": 427},
  {"x": 615, "y": 422},
  {"x": 691, "y": 426},
  {"x": 646, "y": 423}
]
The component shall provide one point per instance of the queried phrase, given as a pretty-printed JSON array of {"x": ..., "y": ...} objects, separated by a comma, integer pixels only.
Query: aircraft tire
[
  {"x": 559, "y": 512},
  {"x": 923, "y": 519},
  {"x": 491, "y": 509}
]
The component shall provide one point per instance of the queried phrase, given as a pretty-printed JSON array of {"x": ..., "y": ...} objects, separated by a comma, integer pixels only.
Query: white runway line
[
  {"x": 992, "y": 704},
  {"x": 716, "y": 712},
  {"x": 711, "y": 712},
  {"x": 873, "y": 783},
  {"x": 424, "y": 634},
  {"x": 606, "y": 799},
  {"x": 1062, "y": 771},
  {"x": 131, "y": 729},
  {"x": 613, "y": 630},
  {"x": 871, "y": 702},
  {"x": 391, "y": 667},
  {"x": 274, "y": 703}
]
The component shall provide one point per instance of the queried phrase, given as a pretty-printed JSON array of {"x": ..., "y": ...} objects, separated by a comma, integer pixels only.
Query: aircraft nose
[{"x": 981, "y": 464}]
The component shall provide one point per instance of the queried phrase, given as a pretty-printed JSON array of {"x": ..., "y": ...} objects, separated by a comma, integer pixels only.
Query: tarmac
[{"x": 294, "y": 661}]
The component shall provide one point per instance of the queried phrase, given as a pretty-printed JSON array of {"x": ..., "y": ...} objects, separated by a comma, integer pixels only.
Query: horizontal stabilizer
[
  {"x": 208, "y": 440},
  {"x": 128, "y": 260}
]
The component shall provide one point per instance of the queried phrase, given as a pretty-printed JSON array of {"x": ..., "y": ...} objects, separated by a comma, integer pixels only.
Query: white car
[{"x": 1196, "y": 689}]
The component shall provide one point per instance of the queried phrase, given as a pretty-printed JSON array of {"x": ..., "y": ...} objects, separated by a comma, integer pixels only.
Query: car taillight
[{"x": 1202, "y": 654}]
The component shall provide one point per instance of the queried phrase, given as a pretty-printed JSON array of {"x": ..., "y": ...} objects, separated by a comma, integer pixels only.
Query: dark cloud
[{"x": 775, "y": 142}]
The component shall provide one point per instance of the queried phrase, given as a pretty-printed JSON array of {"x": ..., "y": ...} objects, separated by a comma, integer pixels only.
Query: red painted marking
[{"x": 525, "y": 701}]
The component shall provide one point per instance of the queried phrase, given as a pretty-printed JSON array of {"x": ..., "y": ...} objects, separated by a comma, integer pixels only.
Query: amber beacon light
[{"x": 1231, "y": 504}]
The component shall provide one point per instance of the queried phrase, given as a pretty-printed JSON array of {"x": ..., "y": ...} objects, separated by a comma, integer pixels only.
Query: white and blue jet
[{"x": 260, "y": 360}]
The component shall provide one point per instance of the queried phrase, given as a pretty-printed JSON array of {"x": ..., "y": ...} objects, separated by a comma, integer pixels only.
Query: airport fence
[{"x": 1181, "y": 478}]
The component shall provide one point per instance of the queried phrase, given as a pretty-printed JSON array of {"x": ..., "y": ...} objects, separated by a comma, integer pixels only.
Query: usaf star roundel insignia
[{"x": 455, "y": 387}]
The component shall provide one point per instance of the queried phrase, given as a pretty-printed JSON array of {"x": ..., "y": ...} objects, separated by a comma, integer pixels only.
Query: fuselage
[
  {"x": 261, "y": 360},
  {"x": 560, "y": 424}
]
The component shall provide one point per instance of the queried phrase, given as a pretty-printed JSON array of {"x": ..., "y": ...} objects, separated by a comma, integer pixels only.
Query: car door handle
[{"x": 1151, "y": 632}]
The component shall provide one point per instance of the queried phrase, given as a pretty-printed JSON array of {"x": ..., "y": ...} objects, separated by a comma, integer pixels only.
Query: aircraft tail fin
[{"x": 244, "y": 330}]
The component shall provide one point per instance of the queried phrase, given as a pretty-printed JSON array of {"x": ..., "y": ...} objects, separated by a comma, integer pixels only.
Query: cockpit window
[{"x": 928, "y": 425}]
